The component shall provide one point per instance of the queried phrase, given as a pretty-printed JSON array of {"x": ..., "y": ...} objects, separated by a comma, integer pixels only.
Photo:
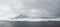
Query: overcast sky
[{"x": 31, "y": 8}]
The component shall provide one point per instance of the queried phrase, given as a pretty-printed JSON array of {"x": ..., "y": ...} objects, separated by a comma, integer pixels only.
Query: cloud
[
  {"x": 52, "y": 7},
  {"x": 12, "y": 8}
]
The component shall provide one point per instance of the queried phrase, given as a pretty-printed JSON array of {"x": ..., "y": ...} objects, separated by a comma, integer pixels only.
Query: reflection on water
[{"x": 29, "y": 24}]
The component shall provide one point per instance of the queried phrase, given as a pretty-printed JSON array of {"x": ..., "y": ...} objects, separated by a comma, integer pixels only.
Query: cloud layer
[{"x": 31, "y": 8}]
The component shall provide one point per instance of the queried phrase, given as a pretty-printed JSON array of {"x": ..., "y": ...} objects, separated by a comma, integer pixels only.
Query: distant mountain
[{"x": 20, "y": 16}]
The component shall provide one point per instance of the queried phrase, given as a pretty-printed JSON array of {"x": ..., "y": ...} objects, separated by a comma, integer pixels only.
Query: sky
[{"x": 31, "y": 8}]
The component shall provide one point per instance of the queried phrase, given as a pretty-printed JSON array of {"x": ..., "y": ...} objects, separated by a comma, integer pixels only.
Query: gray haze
[{"x": 30, "y": 8}]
